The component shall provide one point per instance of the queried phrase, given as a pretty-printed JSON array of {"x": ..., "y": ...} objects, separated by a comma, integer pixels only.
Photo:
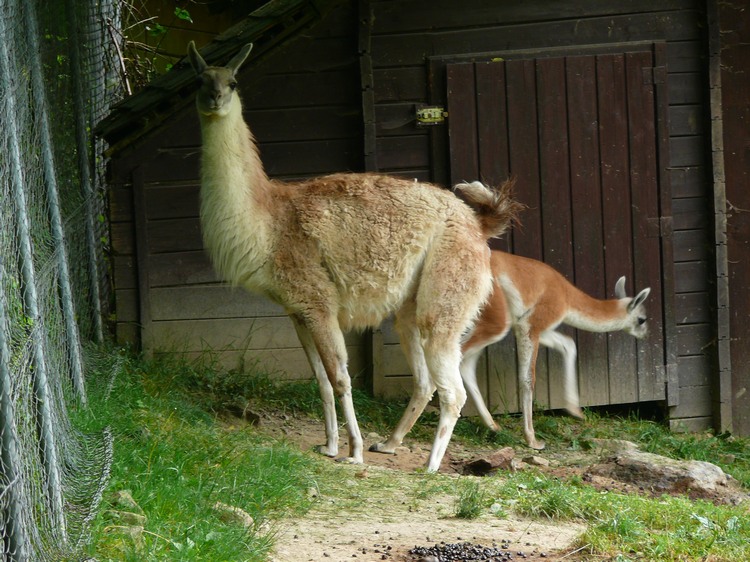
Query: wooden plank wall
[
  {"x": 304, "y": 107},
  {"x": 579, "y": 134},
  {"x": 734, "y": 36},
  {"x": 406, "y": 34}
]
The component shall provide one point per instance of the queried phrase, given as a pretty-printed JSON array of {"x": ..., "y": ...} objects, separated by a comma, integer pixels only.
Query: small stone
[
  {"x": 536, "y": 460},
  {"x": 231, "y": 514},
  {"x": 727, "y": 458},
  {"x": 129, "y": 518},
  {"x": 135, "y": 534},
  {"x": 484, "y": 465},
  {"x": 611, "y": 446},
  {"x": 124, "y": 499}
]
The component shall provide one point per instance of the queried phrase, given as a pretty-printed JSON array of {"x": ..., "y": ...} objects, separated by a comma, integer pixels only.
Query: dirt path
[
  {"x": 389, "y": 533},
  {"x": 376, "y": 521},
  {"x": 384, "y": 509}
]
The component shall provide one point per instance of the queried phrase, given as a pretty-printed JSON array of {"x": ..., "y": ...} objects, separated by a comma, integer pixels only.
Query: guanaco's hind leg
[
  {"x": 527, "y": 348},
  {"x": 492, "y": 326},
  {"x": 444, "y": 360},
  {"x": 469, "y": 375},
  {"x": 455, "y": 282},
  {"x": 567, "y": 348},
  {"x": 331, "y": 447},
  {"x": 423, "y": 389}
]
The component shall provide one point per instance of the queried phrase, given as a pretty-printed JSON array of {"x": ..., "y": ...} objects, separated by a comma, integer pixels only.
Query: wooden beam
[{"x": 722, "y": 385}]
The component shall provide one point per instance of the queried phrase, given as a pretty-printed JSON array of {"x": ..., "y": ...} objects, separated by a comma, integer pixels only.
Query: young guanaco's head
[
  {"x": 217, "y": 83},
  {"x": 636, "y": 312}
]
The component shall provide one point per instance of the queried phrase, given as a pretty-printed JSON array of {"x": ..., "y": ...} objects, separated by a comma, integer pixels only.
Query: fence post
[
  {"x": 39, "y": 377},
  {"x": 10, "y": 460},
  {"x": 83, "y": 144},
  {"x": 53, "y": 200}
]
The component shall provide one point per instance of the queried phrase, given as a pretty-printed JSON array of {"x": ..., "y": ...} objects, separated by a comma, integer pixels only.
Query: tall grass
[{"x": 177, "y": 462}]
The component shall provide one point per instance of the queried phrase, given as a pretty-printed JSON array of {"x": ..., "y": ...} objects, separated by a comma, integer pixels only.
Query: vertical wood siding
[
  {"x": 593, "y": 215},
  {"x": 408, "y": 35},
  {"x": 304, "y": 107}
]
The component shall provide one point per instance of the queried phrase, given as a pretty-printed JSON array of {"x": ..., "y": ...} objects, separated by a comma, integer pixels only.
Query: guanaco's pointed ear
[
  {"x": 620, "y": 288},
  {"x": 239, "y": 58},
  {"x": 639, "y": 298},
  {"x": 196, "y": 60}
]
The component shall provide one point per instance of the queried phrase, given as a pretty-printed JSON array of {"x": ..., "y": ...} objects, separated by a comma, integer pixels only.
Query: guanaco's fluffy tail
[{"x": 495, "y": 207}]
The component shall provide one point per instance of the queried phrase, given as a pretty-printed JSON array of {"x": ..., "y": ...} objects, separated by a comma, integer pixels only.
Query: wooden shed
[{"x": 609, "y": 114}]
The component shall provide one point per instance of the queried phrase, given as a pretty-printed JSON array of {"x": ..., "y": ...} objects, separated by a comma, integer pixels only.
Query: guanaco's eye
[
  {"x": 233, "y": 85},
  {"x": 641, "y": 321}
]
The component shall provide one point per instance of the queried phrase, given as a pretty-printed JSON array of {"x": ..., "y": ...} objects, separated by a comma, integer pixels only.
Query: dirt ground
[{"x": 385, "y": 527}]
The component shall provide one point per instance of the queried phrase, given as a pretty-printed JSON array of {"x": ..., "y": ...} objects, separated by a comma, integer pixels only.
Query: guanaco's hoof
[
  {"x": 325, "y": 450},
  {"x": 381, "y": 448},
  {"x": 576, "y": 412},
  {"x": 349, "y": 460},
  {"x": 537, "y": 445}
]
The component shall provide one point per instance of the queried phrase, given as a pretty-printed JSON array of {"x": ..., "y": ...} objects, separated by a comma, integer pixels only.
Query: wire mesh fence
[{"x": 57, "y": 79}]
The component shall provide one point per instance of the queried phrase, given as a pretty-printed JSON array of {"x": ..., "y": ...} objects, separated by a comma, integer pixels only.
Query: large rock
[{"x": 662, "y": 474}]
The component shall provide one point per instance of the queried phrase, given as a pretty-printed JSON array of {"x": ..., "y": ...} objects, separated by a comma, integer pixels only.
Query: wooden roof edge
[{"x": 268, "y": 27}]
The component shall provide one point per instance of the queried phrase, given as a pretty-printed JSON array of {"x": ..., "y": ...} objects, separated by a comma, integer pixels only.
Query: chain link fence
[{"x": 58, "y": 77}]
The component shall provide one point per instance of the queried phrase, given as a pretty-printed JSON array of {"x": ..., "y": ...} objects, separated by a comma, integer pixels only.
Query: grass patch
[
  {"x": 471, "y": 500},
  {"x": 177, "y": 462},
  {"x": 629, "y": 526},
  {"x": 177, "y": 459},
  {"x": 212, "y": 389}
]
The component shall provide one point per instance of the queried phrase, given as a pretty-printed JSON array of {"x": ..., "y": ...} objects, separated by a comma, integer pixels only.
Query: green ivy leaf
[
  {"x": 183, "y": 14},
  {"x": 156, "y": 30}
]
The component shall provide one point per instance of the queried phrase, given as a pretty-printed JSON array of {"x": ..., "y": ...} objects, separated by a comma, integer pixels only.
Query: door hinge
[
  {"x": 659, "y": 227},
  {"x": 430, "y": 115},
  {"x": 654, "y": 75}
]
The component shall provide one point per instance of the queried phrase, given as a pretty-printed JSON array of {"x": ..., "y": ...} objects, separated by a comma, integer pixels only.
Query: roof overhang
[{"x": 268, "y": 28}]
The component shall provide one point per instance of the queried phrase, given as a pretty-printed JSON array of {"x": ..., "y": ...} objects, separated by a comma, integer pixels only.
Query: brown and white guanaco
[
  {"x": 344, "y": 251},
  {"x": 533, "y": 299}
]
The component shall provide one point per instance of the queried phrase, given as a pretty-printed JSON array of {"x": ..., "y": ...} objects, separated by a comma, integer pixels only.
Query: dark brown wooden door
[{"x": 584, "y": 137}]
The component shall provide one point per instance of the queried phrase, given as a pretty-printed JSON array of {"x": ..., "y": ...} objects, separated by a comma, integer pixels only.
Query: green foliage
[
  {"x": 537, "y": 496},
  {"x": 144, "y": 33},
  {"x": 666, "y": 528},
  {"x": 471, "y": 500},
  {"x": 183, "y": 14},
  {"x": 177, "y": 462}
]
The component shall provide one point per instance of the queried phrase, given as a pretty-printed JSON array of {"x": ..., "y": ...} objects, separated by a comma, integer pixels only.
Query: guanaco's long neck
[
  {"x": 234, "y": 196},
  {"x": 594, "y": 315}
]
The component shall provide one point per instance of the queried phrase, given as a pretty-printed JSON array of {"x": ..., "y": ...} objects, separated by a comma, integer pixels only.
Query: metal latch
[{"x": 431, "y": 115}]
